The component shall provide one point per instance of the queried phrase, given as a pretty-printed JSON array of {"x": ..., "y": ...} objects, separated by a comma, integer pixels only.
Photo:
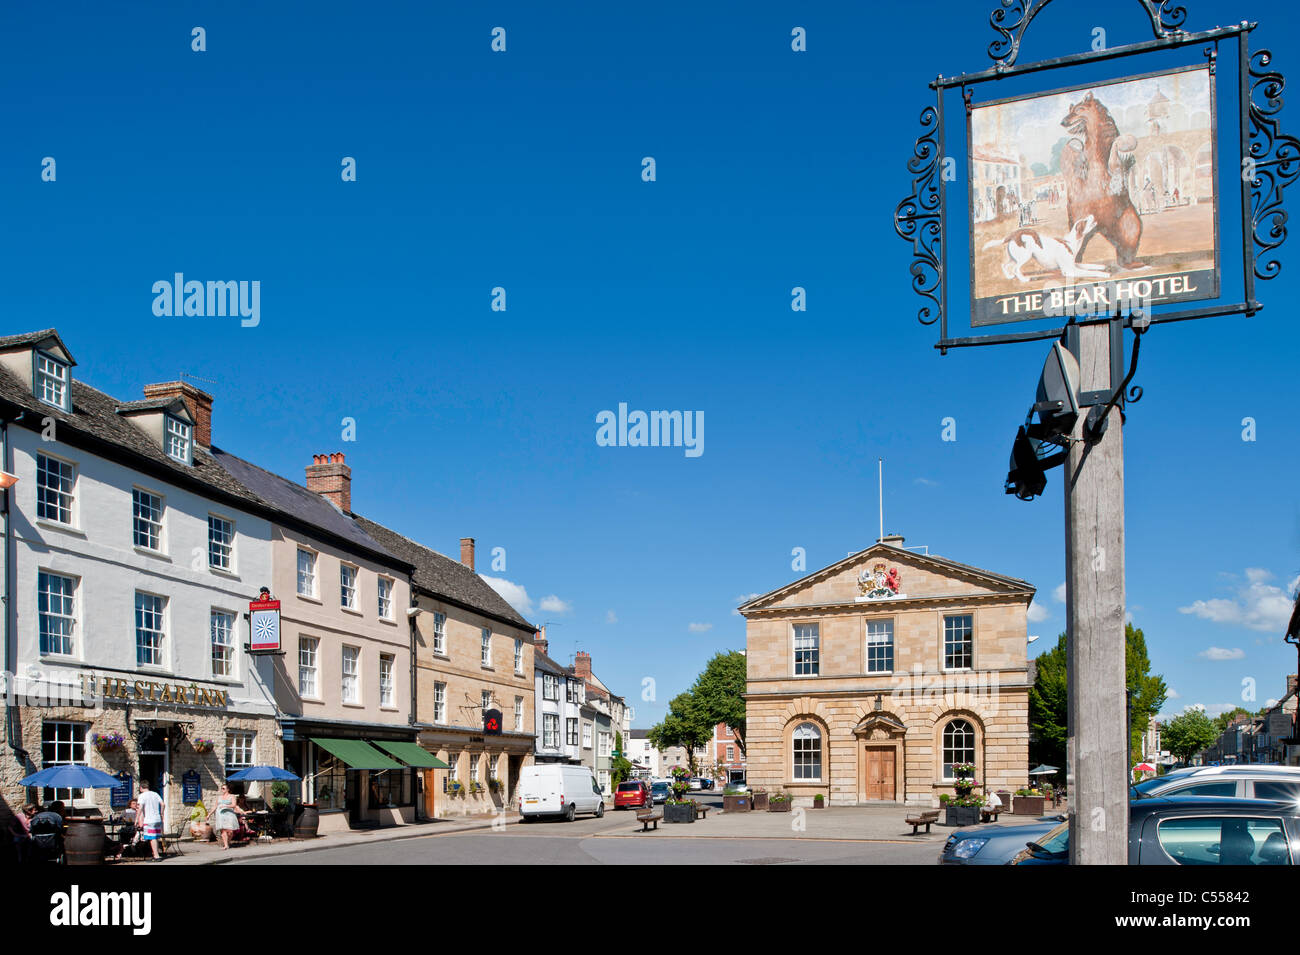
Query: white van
[{"x": 556, "y": 789}]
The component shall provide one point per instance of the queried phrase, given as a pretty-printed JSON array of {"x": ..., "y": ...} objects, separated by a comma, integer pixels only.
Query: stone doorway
[{"x": 881, "y": 749}]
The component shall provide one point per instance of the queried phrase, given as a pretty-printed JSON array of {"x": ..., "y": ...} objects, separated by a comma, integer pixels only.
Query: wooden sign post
[{"x": 1097, "y": 746}]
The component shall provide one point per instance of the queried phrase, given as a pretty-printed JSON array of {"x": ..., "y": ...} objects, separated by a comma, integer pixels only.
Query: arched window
[
  {"x": 958, "y": 746},
  {"x": 807, "y": 746}
]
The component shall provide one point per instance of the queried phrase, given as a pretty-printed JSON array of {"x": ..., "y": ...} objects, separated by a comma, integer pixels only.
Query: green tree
[
  {"x": 1147, "y": 692},
  {"x": 1048, "y": 707},
  {"x": 685, "y": 725},
  {"x": 620, "y": 767},
  {"x": 1223, "y": 719},
  {"x": 719, "y": 693},
  {"x": 1188, "y": 734}
]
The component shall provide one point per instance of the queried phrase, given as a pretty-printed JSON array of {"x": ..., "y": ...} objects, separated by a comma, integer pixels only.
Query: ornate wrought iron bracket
[{"x": 1013, "y": 17}]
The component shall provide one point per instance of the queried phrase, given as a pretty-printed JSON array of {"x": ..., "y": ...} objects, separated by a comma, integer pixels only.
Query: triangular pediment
[{"x": 884, "y": 574}]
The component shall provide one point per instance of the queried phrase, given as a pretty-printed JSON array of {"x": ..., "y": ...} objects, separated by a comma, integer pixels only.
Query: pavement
[{"x": 855, "y": 824}]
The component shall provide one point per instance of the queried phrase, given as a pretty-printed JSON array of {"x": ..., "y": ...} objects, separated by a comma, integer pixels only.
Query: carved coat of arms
[{"x": 875, "y": 583}]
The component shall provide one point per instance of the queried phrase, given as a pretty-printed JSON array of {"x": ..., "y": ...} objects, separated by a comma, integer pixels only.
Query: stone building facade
[{"x": 870, "y": 679}]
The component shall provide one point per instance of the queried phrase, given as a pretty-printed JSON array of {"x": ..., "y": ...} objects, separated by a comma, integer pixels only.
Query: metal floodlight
[
  {"x": 1031, "y": 459},
  {"x": 1057, "y": 399}
]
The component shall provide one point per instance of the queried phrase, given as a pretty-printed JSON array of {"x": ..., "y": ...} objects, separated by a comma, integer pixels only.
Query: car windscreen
[{"x": 629, "y": 787}]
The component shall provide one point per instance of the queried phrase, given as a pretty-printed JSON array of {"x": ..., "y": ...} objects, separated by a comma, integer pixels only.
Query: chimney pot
[
  {"x": 540, "y": 640},
  {"x": 467, "y": 552}
]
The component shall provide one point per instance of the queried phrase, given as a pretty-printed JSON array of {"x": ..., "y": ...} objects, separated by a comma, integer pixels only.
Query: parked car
[
  {"x": 1192, "y": 830},
  {"x": 994, "y": 843},
  {"x": 634, "y": 793},
  {"x": 1246, "y": 781},
  {"x": 695, "y": 783},
  {"x": 706, "y": 782},
  {"x": 660, "y": 791},
  {"x": 556, "y": 789},
  {"x": 736, "y": 787}
]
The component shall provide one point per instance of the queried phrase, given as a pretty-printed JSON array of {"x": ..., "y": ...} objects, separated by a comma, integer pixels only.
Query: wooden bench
[
  {"x": 702, "y": 811},
  {"x": 926, "y": 819},
  {"x": 647, "y": 818},
  {"x": 990, "y": 815}
]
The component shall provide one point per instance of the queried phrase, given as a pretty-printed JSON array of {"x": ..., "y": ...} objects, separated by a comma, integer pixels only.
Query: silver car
[
  {"x": 1241, "y": 781},
  {"x": 994, "y": 843}
]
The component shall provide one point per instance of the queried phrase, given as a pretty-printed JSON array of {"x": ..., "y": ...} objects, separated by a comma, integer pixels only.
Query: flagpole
[{"x": 880, "y": 463}]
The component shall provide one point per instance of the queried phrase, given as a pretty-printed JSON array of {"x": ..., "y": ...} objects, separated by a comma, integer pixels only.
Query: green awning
[
  {"x": 412, "y": 754},
  {"x": 357, "y": 754}
]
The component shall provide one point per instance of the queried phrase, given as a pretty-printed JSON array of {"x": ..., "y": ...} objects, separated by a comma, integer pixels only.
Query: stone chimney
[
  {"x": 1290, "y": 682},
  {"x": 199, "y": 404},
  {"x": 467, "y": 552},
  {"x": 540, "y": 640},
  {"x": 329, "y": 477},
  {"x": 582, "y": 665},
  {"x": 893, "y": 540}
]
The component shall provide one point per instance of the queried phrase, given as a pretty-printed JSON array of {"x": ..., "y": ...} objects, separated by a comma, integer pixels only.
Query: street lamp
[{"x": 7, "y": 480}]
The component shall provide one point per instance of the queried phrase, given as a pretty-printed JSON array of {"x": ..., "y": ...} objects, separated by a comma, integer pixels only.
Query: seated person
[{"x": 47, "y": 833}]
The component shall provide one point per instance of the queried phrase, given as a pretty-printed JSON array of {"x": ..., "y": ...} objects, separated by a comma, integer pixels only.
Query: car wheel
[
  {"x": 600, "y": 810},
  {"x": 571, "y": 812}
]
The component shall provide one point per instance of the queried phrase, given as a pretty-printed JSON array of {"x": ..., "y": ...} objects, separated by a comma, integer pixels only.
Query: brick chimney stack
[
  {"x": 467, "y": 552},
  {"x": 1291, "y": 682},
  {"x": 582, "y": 665},
  {"x": 198, "y": 403},
  {"x": 329, "y": 477},
  {"x": 540, "y": 640}
]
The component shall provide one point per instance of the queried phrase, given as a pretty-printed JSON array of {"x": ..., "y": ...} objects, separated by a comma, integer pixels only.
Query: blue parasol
[
  {"x": 258, "y": 773},
  {"x": 71, "y": 777}
]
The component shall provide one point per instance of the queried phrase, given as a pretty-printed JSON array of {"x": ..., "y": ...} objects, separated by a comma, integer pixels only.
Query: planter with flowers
[
  {"x": 107, "y": 742},
  {"x": 759, "y": 797},
  {"x": 679, "y": 809},
  {"x": 455, "y": 787},
  {"x": 1027, "y": 802},
  {"x": 202, "y": 744},
  {"x": 779, "y": 802}
]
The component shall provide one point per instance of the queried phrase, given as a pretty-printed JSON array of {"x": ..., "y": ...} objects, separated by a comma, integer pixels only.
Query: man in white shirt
[{"x": 152, "y": 810}]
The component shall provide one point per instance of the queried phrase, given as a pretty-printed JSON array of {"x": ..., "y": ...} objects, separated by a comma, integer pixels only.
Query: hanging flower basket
[
  {"x": 107, "y": 742},
  {"x": 203, "y": 745}
]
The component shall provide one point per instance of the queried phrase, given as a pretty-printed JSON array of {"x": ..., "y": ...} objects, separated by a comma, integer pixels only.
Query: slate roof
[
  {"x": 33, "y": 338},
  {"x": 305, "y": 506},
  {"x": 442, "y": 577},
  {"x": 149, "y": 404},
  {"x": 542, "y": 662},
  {"x": 94, "y": 416}
]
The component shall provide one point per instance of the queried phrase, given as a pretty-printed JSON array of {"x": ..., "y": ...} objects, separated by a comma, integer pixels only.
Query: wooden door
[{"x": 878, "y": 773}]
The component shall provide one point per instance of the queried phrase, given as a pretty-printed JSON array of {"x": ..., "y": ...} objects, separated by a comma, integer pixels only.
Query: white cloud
[
  {"x": 700, "y": 627},
  {"x": 742, "y": 600},
  {"x": 925, "y": 482},
  {"x": 1257, "y": 605},
  {"x": 554, "y": 604},
  {"x": 1222, "y": 653},
  {"x": 1172, "y": 694},
  {"x": 514, "y": 593},
  {"x": 611, "y": 617},
  {"x": 1217, "y": 709},
  {"x": 1059, "y": 593},
  {"x": 1037, "y": 612}
]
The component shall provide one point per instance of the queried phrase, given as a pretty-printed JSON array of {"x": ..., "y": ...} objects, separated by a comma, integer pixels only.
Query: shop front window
[
  {"x": 331, "y": 782},
  {"x": 390, "y": 789}
]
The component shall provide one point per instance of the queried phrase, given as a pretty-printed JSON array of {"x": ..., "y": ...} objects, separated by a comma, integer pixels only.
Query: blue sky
[{"x": 522, "y": 170}]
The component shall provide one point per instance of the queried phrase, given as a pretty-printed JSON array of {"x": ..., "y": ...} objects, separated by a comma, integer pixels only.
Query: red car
[{"x": 635, "y": 793}]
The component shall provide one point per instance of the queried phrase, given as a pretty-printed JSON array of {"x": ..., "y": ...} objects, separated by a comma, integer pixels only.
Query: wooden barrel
[
  {"x": 306, "y": 822},
  {"x": 83, "y": 841}
]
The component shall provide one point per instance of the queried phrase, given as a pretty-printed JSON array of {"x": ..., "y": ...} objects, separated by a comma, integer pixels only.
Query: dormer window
[
  {"x": 50, "y": 381},
  {"x": 177, "y": 442}
]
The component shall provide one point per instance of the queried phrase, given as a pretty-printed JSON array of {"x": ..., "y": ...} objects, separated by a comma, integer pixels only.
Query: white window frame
[
  {"x": 571, "y": 731},
  {"x": 65, "y": 499},
  {"x": 71, "y": 744},
  {"x": 310, "y": 576},
  {"x": 178, "y": 439},
  {"x": 58, "y": 376},
  {"x": 873, "y": 640},
  {"x": 485, "y": 647},
  {"x": 440, "y": 633},
  {"x": 731, "y": 754},
  {"x": 474, "y": 759},
  {"x": 384, "y": 591},
  {"x": 142, "y": 516},
  {"x": 603, "y": 745},
  {"x": 387, "y": 685},
  {"x": 550, "y": 731},
  {"x": 586, "y": 735},
  {"x": 242, "y": 746},
  {"x": 68, "y": 619},
  {"x": 519, "y": 655},
  {"x": 440, "y": 703},
  {"x": 519, "y": 714},
  {"x": 485, "y": 700},
  {"x": 309, "y": 664},
  {"x": 550, "y": 687},
  {"x": 160, "y": 650},
  {"x": 943, "y": 647},
  {"x": 350, "y": 679},
  {"x": 229, "y": 646},
  {"x": 945, "y": 765},
  {"x": 215, "y": 545},
  {"x": 812, "y": 665},
  {"x": 795, "y": 749},
  {"x": 348, "y": 579}
]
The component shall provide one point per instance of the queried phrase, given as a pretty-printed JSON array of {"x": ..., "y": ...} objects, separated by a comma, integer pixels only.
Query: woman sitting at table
[
  {"x": 128, "y": 833},
  {"x": 230, "y": 816}
]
